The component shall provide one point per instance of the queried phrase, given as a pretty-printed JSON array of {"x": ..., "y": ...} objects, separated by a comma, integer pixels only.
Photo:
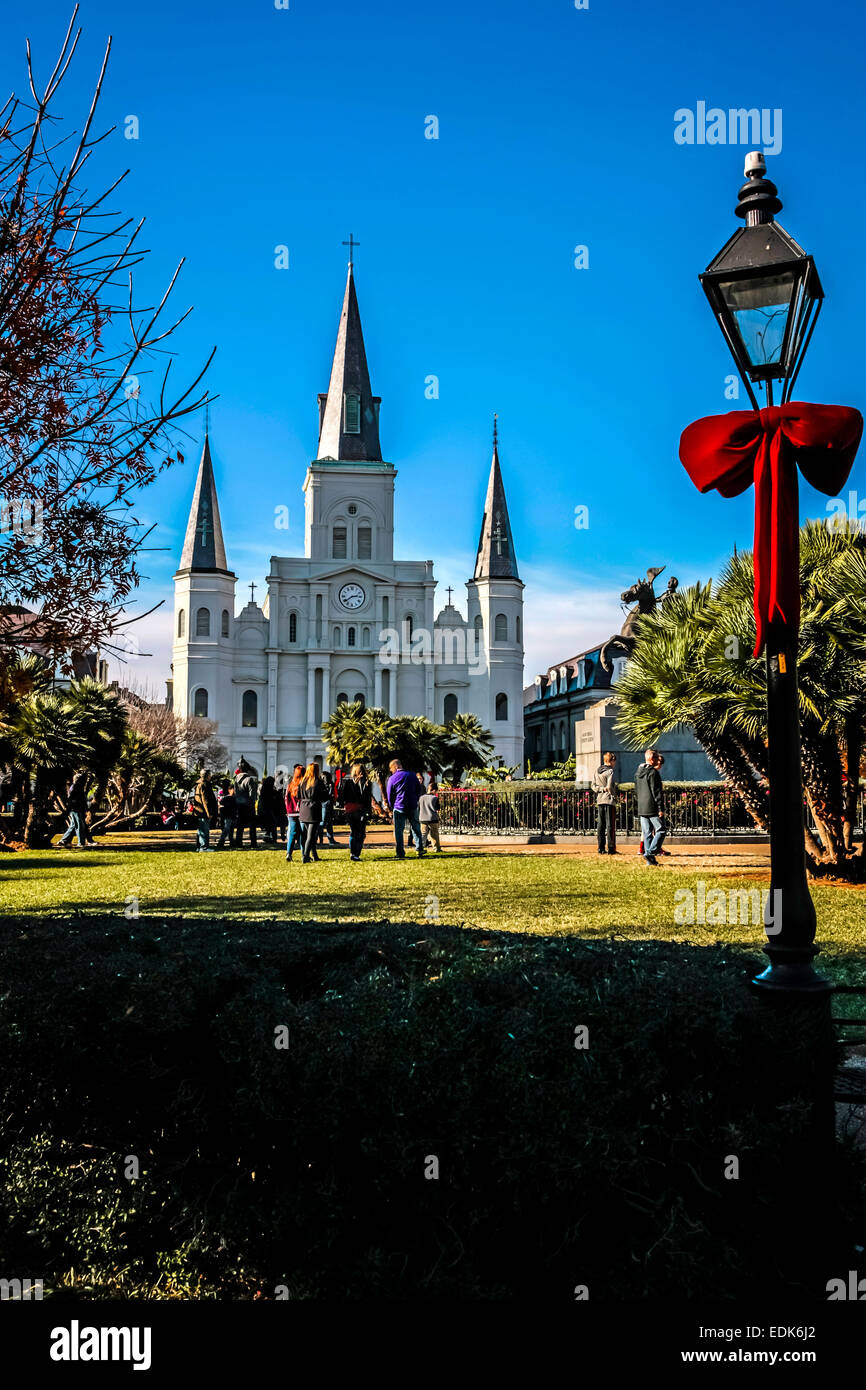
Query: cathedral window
[
  {"x": 199, "y": 707},
  {"x": 342, "y": 698},
  {"x": 385, "y": 610},
  {"x": 359, "y": 700},
  {"x": 351, "y": 637},
  {"x": 449, "y": 708},
  {"x": 225, "y": 626},
  {"x": 500, "y": 629},
  {"x": 202, "y": 623},
  {"x": 365, "y": 637},
  {"x": 352, "y": 413},
  {"x": 293, "y": 627},
  {"x": 338, "y": 637},
  {"x": 501, "y": 707},
  {"x": 518, "y": 629},
  {"x": 250, "y": 709},
  {"x": 408, "y": 626},
  {"x": 365, "y": 543},
  {"x": 339, "y": 543},
  {"x": 181, "y": 623},
  {"x": 479, "y": 626}
]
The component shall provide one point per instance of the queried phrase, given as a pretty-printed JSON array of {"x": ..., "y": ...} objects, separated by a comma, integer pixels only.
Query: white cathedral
[{"x": 345, "y": 621}]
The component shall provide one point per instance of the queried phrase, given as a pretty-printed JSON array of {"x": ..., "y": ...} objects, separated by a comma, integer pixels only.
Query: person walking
[
  {"x": 311, "y": 799},
  {"x": 204, "y": 805},
  {"x": 650, "y": 806},
  {"x": 428, "y": 815},
  {"x": 76, "y": 808},
  {"x": 355, "y": 796},
  {"x": 326, "y": 826},
  {"x": 228, "y": 815},
  {"x": 246, "y": 788},
  {"x": 267, "y": 810},
  {"x": 605, "y": 786},
  {"x": 293, "y": 812},
  {"x": 402, "y": 795}
]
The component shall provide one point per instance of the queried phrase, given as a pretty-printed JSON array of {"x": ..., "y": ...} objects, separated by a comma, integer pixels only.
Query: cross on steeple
[
  {"x": 449, "y": 591},
  {"x": 204, "y": 523},
  {"x": 252, "y": 593},
  {"x": 497, "y": 534},
  {"x": 351, "y": 243}
]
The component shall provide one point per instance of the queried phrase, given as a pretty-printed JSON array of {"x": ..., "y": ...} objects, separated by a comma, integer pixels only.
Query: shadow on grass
[{"x": 287, "y": 1088}]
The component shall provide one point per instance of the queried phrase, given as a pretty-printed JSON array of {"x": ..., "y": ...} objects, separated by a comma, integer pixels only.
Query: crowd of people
[{"x": 301, "y": 816}]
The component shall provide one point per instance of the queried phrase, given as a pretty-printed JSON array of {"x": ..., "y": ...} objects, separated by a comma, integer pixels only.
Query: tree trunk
[
  {"x": 853, "y": 743},
  {"x": 730, "y": 759}
]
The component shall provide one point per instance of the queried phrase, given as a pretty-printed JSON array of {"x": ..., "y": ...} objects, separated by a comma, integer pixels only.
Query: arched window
[
  {"x": 365, "y": 637},
  {"x": 359, "y": 700},
  {"x": 501, "y": 707},
  {"x": 199, "y": 707},
  {"x": 518, "y": 626},
  {"x": 365, "y": 543},
  {"x": 250, "y": 709},
  {"x": 385, "y": 611},
  {"x": 338, "y": 637},
  {"x": 181, "y": 623},
  {"x": 500, "y": 628},
  {"x": 350, "y": 639},
  {"x": 202, "y": 623},
  {"x": 293, "y": 627},
  {"x": 225, "y": 626},
  {"x": 408, "y": 625},
  {"x": 449, "y": 707},
  {"x": 342, "y": 698},
  {"x": 479, "y": 629},
  {"x": 318, "y": 617},
  {"x": 339, "y": 543}
]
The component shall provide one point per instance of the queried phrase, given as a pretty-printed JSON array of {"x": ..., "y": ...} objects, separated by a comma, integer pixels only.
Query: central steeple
[{"x": 348, "y": 411}]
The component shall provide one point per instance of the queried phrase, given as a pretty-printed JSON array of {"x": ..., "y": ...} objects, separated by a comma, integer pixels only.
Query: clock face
[{"x": 352, "y": 596}]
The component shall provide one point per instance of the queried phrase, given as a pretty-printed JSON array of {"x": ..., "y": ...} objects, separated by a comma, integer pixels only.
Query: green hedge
[{"x": 557, "y": 1166}]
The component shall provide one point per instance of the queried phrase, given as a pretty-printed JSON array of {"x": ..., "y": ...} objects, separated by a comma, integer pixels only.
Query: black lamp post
[{"x": 766, "y": 295}]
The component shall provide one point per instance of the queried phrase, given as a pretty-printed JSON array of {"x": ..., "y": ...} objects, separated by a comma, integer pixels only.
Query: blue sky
[{"x": 261, "y": 127}]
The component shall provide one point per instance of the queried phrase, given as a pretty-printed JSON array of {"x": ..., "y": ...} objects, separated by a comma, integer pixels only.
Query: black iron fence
[{"x": 561, "y": 808}]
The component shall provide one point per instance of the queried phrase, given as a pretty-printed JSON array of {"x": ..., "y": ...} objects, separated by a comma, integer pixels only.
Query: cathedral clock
[{"x": 352, "y": 596}]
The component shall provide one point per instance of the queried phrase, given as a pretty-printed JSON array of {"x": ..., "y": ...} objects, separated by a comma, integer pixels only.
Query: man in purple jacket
[{"x": 403, "y": 793}]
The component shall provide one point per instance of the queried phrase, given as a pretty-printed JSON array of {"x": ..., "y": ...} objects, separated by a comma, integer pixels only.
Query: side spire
[
  {"x": 495, "y": 558},
  {"x": 348, "y": 411},
  {"x": 203, "y": 547}
]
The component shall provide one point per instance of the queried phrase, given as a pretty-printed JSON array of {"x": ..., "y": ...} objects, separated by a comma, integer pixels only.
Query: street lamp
[
  {"x": 764, "y": 290},
  {"x": 766, "y": 295}
]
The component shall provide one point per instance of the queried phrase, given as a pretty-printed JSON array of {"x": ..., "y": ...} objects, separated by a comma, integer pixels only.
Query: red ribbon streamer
[{"x": 766, "y": 447}]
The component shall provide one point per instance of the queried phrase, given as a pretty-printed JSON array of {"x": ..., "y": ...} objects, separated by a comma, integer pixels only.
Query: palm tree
[
  {"x": 467, "y": 744},
  {"x": 693, "y": 665},
  {"x": 138, "y": 777},
  {"x": 101, "y": 717},
  {"x": 343, "y": 733},
  {"x": 47, "y": 743}
]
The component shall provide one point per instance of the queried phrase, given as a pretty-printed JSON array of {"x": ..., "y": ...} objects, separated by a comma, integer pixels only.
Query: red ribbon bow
[{"x": 728, "y": 452}]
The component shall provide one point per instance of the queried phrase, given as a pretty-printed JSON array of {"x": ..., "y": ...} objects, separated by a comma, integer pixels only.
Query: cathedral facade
[{"x": 345, "y": 621}]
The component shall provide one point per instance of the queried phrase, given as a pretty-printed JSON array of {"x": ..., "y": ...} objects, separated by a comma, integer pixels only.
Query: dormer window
[{"x": 352, "y": 413}]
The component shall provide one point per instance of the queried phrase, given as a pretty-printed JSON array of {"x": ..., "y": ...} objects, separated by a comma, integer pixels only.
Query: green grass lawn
[{"x": 528, "y": 892}]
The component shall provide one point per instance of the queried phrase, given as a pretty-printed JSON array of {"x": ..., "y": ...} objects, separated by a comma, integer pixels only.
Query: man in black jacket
[{"x": 650, "y": 806}]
